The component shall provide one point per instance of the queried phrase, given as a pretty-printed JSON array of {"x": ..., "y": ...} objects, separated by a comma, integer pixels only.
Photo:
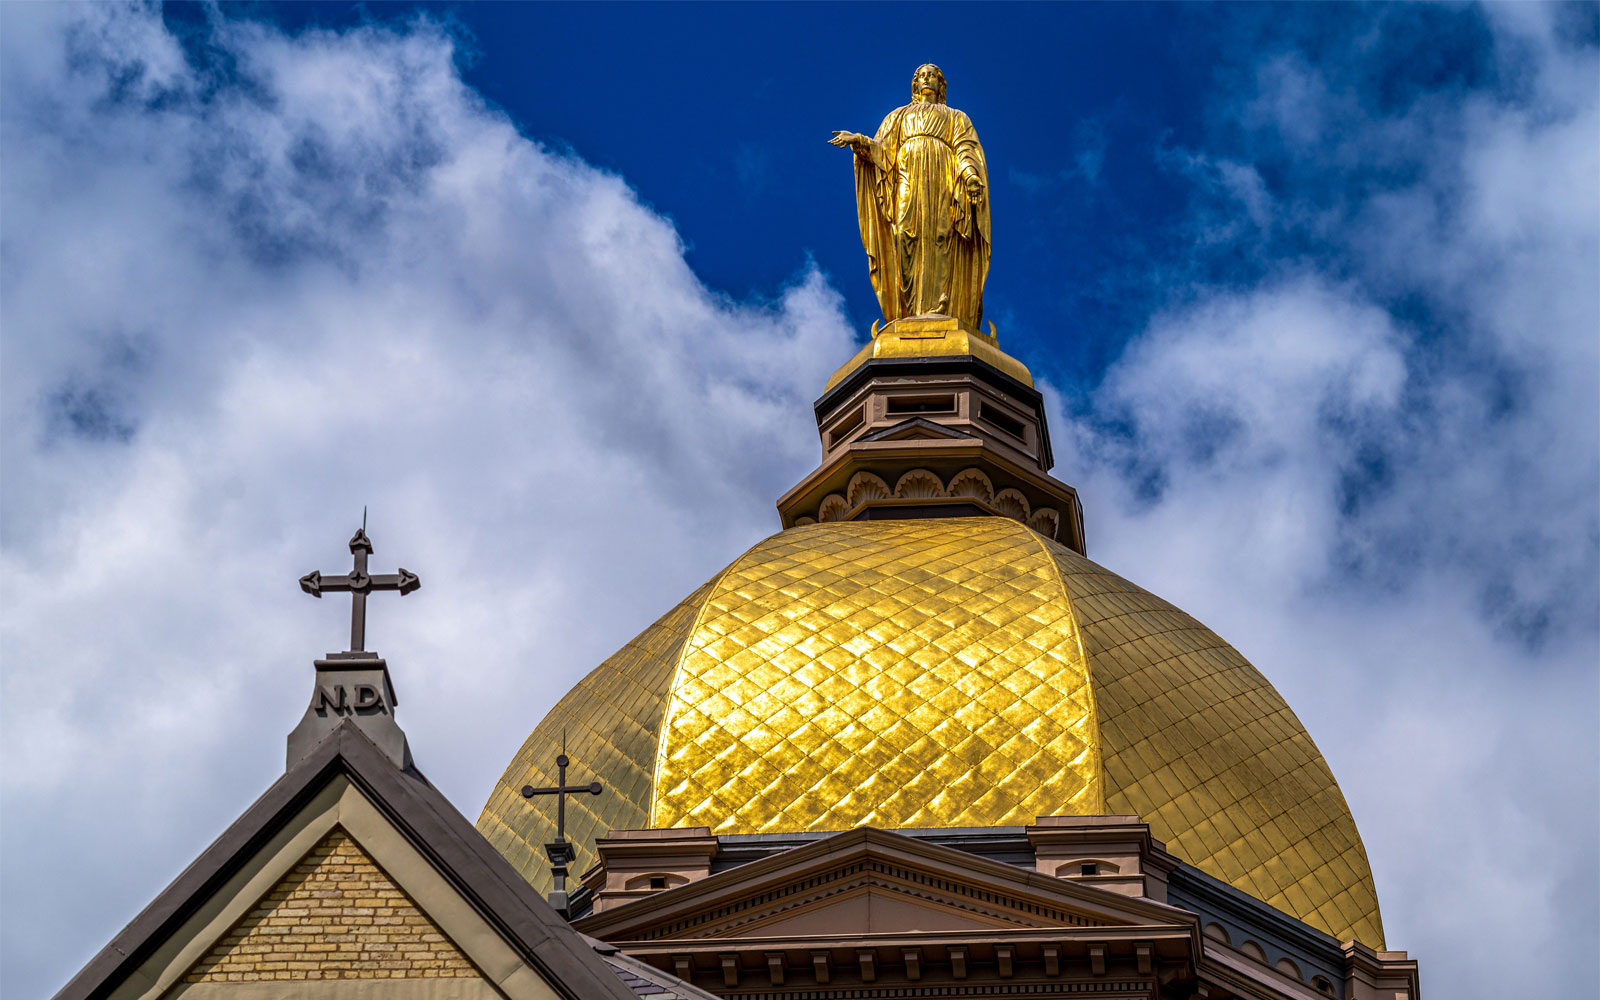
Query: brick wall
[{"x": 336, "y": 915}]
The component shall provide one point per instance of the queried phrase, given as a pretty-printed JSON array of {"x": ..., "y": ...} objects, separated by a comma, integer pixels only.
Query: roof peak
[{"x": 354, "y": 685}]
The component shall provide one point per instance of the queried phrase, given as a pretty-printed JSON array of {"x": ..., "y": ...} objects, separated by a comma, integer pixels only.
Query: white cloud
[
  {"x": 1392, "y": 510},
  {"x": 238, "y": 307},
  {"x": 1237, "y": 187}
]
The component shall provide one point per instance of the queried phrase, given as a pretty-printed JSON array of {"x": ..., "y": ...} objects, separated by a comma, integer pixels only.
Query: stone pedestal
[{"x": 351, "y": 686}]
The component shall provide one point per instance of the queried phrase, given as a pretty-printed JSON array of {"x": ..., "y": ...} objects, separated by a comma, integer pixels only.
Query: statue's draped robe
[{"x": 927, "y": 242}]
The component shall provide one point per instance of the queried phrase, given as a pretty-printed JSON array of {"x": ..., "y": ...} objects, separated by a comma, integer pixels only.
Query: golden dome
[{"x": 943, "y": 673}]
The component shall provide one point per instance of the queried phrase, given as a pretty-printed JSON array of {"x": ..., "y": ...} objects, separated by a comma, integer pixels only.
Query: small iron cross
[
  {"x": 359, "y": 583},
  {"x": 560, "y": 852}
]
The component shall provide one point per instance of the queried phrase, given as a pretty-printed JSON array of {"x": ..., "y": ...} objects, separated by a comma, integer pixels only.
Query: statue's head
[{"x": 927, "y": 84}]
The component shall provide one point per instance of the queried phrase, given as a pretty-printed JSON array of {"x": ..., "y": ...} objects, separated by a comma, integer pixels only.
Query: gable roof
[{"x": 423, "y": 817}]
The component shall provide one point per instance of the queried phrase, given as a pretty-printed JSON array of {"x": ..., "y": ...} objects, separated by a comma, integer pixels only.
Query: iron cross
[
  {"x": 560, "y": 852},
  {"x": 359, "y": 583}
]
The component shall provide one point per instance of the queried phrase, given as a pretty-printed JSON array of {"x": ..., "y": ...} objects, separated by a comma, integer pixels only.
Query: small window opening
[
  {"x": 1002, "y": 420},
  {"x": 1090, "y": 868},
  {"x": 846, "y": 427},
  {"x": 658, "y": 881},
  {"x": 923, "y": 404}
]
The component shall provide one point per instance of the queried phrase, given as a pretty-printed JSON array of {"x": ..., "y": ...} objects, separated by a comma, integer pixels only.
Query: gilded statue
[{"x": 922, "y": 199}]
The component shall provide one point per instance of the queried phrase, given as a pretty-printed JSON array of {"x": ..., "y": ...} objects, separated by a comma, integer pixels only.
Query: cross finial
[
  {"x": 359, "y": 583},
  {"x": 354, "y": 686},
  {"x": 560, "y": 851}
]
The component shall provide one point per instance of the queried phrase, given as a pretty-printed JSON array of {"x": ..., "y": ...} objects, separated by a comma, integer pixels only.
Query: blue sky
[{"x": 1312, "y": 290}]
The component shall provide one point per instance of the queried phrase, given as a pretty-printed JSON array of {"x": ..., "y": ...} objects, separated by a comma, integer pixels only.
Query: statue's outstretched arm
[{"x": 853, "y": 140}]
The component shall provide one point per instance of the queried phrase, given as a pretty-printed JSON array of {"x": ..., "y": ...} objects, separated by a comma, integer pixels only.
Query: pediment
[
  {"x": 867, "y": 907},
  {"x": 349, "y": 852},
  {"x": 918, "y": 428},
  {"x": 868, "y": 882}
]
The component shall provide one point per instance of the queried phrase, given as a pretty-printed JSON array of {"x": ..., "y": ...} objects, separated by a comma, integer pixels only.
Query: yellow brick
[{"x": 336, "y": 915}]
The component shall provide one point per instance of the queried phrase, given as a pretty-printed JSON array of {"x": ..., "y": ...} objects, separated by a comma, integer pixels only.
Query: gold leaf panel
[{"x": 940, "y": 673}]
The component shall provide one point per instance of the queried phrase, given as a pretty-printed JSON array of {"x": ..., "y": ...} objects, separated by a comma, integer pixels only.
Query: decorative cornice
[
  {"x": 995, "y": 961},
  {"x": 1141, "y": 989},
  {"x": 921, "y": 492},
  {"x": 1247, "y": 911}
]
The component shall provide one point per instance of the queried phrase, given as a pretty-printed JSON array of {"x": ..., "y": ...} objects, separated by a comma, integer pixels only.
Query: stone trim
[
  {"x": 467, "y": 888},
  {"x": 1128, "y": 990},
  {"x": 342, "y": 989},
  {"x": 341, "y": 804},
  {"x": 914, "y": 491},
  {"x": 864, "y": 873},
  {"x": 724, "y": 894},
  {"x": 229, "y": 902}
]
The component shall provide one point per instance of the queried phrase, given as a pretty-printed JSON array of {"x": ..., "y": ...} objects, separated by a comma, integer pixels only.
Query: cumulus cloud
[
  {"x": 1375, "y": 462},
  {"x": 251, "y": 289},
  {"x": 252, "y": 282}
]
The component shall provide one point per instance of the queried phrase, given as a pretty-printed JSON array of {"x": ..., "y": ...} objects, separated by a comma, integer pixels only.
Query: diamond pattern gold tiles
[
  {"x": 1202, "y": 748},
  {"x": 890, "y": 674},
  {"x": 611, "y": 720},
  {"x": 959, "y": 672}
]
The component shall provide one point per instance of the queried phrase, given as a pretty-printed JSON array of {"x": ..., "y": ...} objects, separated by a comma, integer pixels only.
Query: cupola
[{"x": 933, "y": 419}]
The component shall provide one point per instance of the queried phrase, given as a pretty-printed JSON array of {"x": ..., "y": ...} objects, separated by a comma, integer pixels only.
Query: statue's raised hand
[{"x": 852, "y": 140}]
